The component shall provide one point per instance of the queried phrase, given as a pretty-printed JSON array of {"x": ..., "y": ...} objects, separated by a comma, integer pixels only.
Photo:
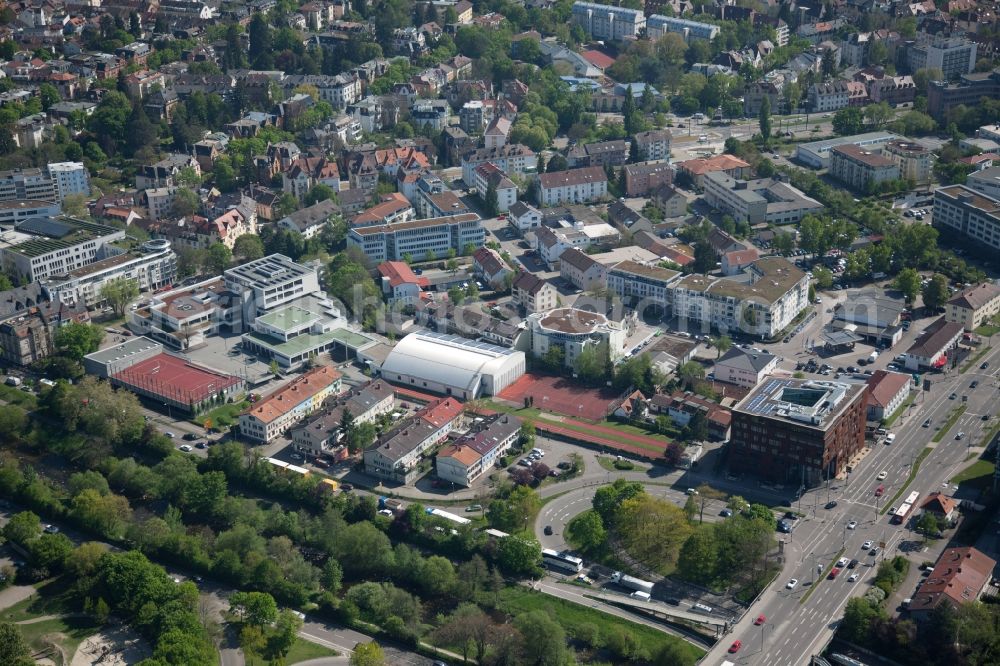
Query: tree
[
  {"x": 544, "y": 639},
  {"x": 823, "y": 277},
  {"x": 936, "y": 292},
  {"x": 186, "y": 202},
  {"x": 878, "y": 115},
  {"x": 140, "y": 131},
  {"x": 109, "y": 119},
  {"x": 652, "y": 530},
  {"x": 254, "y": 608},
  {"x": 452, "y": 265},
  {"x": 75, "y": 340},
  {"x": 14, "y": 650},
  {"x": 784, "y": 243},
  {"x": 260, "y": 42},
  {"x": 587, "y": 530},
  {"x": 848, "y": 121},
  {"x": 22, "y": 528},
  {"x": 908, "y": 282},
  {"x": 118, "y": 293},
  {"x": 691, "y": 372},
  {"x": 690, "y": 508},
  {"x": 699, "y": 557},
  {"x": 519, "y": 556},
  {"x": 859, "y": 618},
  {"x": 248, "y": 247},
  {"x": 592, "y": 363},
  {"x": 219, "y": 257},
  {"x": 319, "y": 192},
  {"x": 764, "y": 120},
  {"x": 284, "y": 635},
  {"x": 722, "y": 345},
  {"x": 367, "y": 654},
  {"x": 490, "y": 201},
  {"x": 456, "y": 295},
  {"x": 704, "y": 258},
  {"x": 557, "y": 163},
  {"x": 607, "y": 499}
]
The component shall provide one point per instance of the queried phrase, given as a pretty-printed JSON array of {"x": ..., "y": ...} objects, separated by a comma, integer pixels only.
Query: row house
[{"x": 395, "y": 456}]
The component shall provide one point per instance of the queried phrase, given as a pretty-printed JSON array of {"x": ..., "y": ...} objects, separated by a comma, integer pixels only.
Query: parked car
[{"x": 186, "y": 448}]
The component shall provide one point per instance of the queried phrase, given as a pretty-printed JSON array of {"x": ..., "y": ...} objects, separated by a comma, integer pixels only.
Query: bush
[{"x": 624, "y": 465}]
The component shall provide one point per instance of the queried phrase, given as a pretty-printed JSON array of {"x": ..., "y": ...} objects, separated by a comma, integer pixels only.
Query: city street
[{"x": 795, "y": 630}]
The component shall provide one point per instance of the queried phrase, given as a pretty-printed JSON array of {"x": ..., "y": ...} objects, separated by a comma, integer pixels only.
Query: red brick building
[{"x": 798, "y": 431}]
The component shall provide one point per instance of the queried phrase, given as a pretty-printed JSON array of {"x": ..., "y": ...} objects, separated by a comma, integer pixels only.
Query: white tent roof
[{"x": 447, "y": 359}]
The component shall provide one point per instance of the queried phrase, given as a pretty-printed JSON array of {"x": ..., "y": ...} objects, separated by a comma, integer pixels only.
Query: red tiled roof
[
  {"x": 399, "y": 272},
  {"x": 598, "y": 58},
  {"x": 884, "y": 386}
]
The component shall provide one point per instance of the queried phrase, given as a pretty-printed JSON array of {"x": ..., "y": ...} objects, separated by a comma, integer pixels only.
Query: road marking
[{"x": 322, "y": 641}]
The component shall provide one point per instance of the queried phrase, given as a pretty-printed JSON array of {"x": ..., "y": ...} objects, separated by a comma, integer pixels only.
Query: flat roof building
[
  {"x": 816, "y": 154},
  {"x": 964, "y": 211},
  {"x": 419, "y": 238},
  {"x": 798, "y": 431},
  {"x": 760, "y": 201},
  {"x": 43, "y": 246}
]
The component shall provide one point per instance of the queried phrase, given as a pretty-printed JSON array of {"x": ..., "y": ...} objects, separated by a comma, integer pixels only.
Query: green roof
[
  {"x": 288, "y": 318},
  {"x": 302, "y": 344}
]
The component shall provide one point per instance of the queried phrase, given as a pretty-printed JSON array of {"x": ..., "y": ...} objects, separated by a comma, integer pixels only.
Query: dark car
[
  {"x": 974, "y": 384},
  {"x": 673, "y": 601},
  {"x": 346, "y": 487},
  {"x": 985, "y": 365},
  {"x": 548, "y": 530},
  {"x": 199, "y": 445},
  {"x": 852, "y": 564},
  {"x": 189, "y": 437},
  {"x": 831, "y": 504}
]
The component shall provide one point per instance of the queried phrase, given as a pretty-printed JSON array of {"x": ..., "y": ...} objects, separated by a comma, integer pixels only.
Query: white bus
[{"x": 562, "y": 561}]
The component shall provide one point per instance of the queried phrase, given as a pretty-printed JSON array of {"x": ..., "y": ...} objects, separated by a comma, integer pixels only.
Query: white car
[
  {"x": 169, "y": 435},
  {"x": 790, "y": 585},
  {"x": 186, "y": 448},
  {"x": 852, "y": 578},
  {"x": 851, "y": 525},
  {"x": 842, "y": 562},
  {"x": 867, "y": 545},
  {"x": 882, "y": 475}
]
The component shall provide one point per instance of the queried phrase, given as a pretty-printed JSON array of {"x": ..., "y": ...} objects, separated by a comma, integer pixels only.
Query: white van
[
  {"x": 640, "y": 595},
  {"x": 890, "y": 438},
  {"x": 701, "y": 608}
]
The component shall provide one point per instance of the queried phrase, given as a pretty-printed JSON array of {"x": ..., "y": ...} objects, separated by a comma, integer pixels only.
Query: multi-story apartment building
[
  {"x": 513, "y": 159},
  {"x": 658, "y": 25},
  {"x": 418, "y": 237},
  {"x": 644, "y": 177},
  {"x": 600, "y": 153},
  {"x": 40, "y": 247},
  {"x": 653, "y": 145},
  {"x": 834, "y": 95},
  {"x": 581, "y": 270},
  {"x": 861, "y": 169},
  {"x": 912, "y": 159},
  {"x": 28, "y": 335},
  {"x": 574, "y": 186},
  {"x": 151, "y": 267},
  {"x": 638, "y": 284},
  {"x": 764, "y": 200},
  {"x": 696, "y": 169},
  {"x": 160, "y": 202},
  {"x": 276, "y": 413},
  {"x": 798, "y": 431},
  {"x": 478, "y": 451},
  {"x": 323, "y": 433},
  {"x": 13, "y": 211},
  {"x": 489, "y": 175},
  {"x": 395, "y": 455},
  {"x": 533, "y": 293},
  {"x": 69, "y": 178},
  {"x": 775, "y": 294},
  {"x": 974, "y": 306},
  {"x": 961, "y": 210},
  {"x": 608, "y": 22},
  {"x": 953, "y": 56}
]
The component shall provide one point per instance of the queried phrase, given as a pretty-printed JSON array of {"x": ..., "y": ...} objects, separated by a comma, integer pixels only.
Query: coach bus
[{"x": 562, "y": 561}]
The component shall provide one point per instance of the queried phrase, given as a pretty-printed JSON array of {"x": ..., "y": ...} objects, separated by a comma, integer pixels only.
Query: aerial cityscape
[{"x": 500, "y": 333}]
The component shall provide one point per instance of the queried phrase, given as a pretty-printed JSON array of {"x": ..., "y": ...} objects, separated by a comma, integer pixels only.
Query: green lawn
[
  {"x": 304, "y": 650},
  {"x": 909, "y": 479},
  {"x": 16, "y": 396},
  {"x": 987, "y": 330},
  {"x": 608, "y": 463},
  {"x": 53, "y": 598},
  {"x": 223, "y": 416},
  {"x": 979, "y": 473},
  {"x": 516, "y": 600},
  {"x": 902, "y": 408},
  {"x": 952, "y": 420},
  {"x": 72, "y": 630},
  {"x": 974, "y": 360}
]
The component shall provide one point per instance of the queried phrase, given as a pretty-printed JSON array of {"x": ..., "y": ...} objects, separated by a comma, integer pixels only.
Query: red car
[
  {"x": 760, "y": 620},
  {"x": 735, "y": 647},
  {"x": 879, "y": 491},
  {"x": 833, "y": 572}
]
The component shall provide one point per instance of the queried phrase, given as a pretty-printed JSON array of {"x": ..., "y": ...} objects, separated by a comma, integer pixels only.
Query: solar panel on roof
[{"x": 44, "y": 226}]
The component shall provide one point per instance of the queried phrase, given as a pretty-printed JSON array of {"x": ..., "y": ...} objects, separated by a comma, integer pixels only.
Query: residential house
[
  {"x": 669, "y": 200},
  {"x": 737, "y": 261},
  {"x": 478, "y": 451},
  {"x": 581, "y": 270},
  {"x": 400, "y": 284},
  {"x": 960, "y": 576},
  {"x": 490, "y": 266},
  {"x": 533, "y": 294},
  {"x": 310, "y": 221},
  {"x": 524, "y": 216},
  {"x": 974, "y": 306},
  {"x": 887, "y": 391},
  {"x": 276, "y": 413},
  {"x": 653, "y": 145},
  {"x": 574, "y": 186},
  {"x": 744, "y": 367},
  {"x": 395, "y": 455},
  {"x": 643, "y": 177}
]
